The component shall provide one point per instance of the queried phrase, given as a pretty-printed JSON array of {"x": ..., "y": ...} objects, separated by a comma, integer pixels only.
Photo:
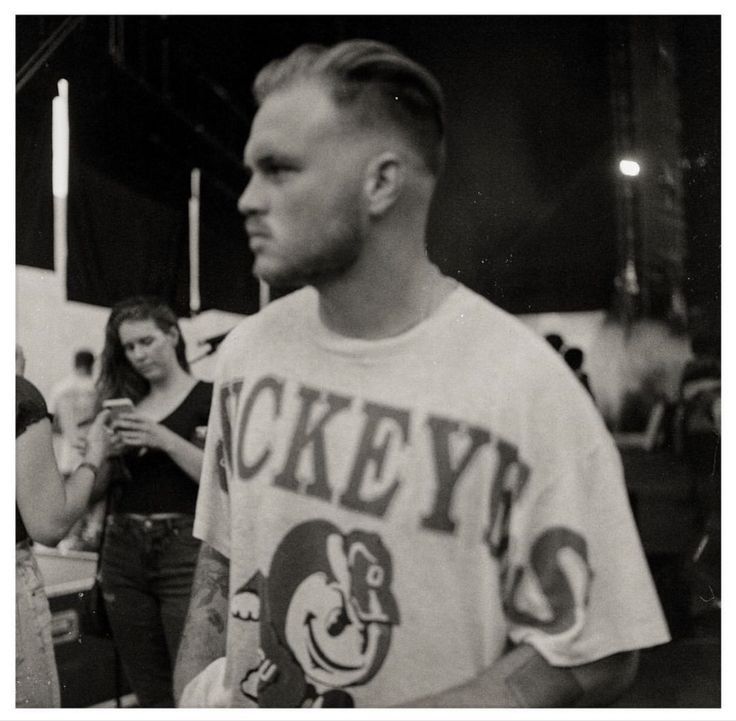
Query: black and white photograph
[{"x": 368, "y": 361}]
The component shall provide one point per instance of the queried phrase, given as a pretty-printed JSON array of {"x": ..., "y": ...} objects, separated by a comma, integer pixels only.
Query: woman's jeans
[
  {"x": 36, "y": 678},
  {"x": 147, "y": 570}
]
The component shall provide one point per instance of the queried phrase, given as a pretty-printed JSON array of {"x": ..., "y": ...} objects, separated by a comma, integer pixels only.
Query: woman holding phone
[{"x": 149, "y": 553}]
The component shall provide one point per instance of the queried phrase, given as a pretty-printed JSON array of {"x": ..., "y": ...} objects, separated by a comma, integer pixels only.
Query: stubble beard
[{"x": 338, "y": 252}]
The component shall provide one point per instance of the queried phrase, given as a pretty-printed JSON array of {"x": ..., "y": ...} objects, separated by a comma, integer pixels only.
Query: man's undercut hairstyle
[{"x": 379, "y": 85}]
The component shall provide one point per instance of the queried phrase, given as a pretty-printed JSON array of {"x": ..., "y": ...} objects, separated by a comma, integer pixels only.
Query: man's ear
[
  {"x": 173, "y": 333},
  {"x": 384, "y": 181}
]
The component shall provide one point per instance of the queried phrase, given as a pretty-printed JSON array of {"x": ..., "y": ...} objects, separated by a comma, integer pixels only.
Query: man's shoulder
[
  {"x": 489, "y": 322},
  {"x": 509, "y": 350},
  {"x": 271, "y": 321}
]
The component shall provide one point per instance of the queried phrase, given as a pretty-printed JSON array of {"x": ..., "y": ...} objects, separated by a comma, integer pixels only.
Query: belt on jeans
[{"x": 151, "y": 520}]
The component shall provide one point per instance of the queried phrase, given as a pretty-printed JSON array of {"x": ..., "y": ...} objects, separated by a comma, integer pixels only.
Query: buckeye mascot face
[{"x": 331, "y": 604}]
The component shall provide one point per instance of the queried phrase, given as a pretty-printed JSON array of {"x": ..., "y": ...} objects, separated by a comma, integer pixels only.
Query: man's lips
[{"x": 257, "y": 231}]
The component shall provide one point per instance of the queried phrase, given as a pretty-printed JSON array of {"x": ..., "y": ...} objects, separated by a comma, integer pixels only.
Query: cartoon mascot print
[{"x": 326, "y": 612}]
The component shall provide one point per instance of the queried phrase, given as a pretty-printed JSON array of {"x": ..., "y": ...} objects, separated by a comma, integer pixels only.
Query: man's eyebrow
[{"x": 267, "y": 158}]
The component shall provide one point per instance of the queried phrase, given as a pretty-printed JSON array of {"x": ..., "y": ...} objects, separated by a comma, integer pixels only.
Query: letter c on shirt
[{"x": 245, "y": 470}]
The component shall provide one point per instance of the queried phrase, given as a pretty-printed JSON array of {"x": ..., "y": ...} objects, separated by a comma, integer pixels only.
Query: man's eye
[{"x": 277, "y": 170}]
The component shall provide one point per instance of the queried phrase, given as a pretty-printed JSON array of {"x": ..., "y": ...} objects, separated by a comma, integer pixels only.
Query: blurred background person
[
  {"x": 575, "y": 358},
  {"x": 46, "y": 506},
  {"x": 149, "y": 553},
  {"x": 72, "y": 404},
  {"x": 698, "y": 421},
  {"x": 555, "y": 340},
  {"x": 698, "y": 429}
]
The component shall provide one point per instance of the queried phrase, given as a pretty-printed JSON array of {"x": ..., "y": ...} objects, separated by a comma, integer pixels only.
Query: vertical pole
[
  {"x": 194, "y": 297},
  {"x": 60, "y": 179}
]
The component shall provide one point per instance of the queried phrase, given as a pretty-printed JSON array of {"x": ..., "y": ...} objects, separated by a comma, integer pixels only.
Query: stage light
[{"x": 629, "y": 168}]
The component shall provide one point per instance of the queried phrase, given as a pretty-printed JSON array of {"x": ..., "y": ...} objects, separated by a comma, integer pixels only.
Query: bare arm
[
  {"x": 185, "y": 454},
  {"x": 137, "y": 430},
  {"x": 523, "y": 679},
  {"x": 48, "y": 504},
  {"x": 205, "y": 629},
  {"x": 102, "y": 482}
]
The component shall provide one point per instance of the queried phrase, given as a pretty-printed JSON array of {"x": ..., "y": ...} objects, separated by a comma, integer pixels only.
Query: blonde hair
[{"x": 374, "y": 81}]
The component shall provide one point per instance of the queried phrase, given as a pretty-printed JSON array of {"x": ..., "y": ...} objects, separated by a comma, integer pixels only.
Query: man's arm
[
  {"x": 522, "y": 678},
  {"x": 205, "y": 629}
]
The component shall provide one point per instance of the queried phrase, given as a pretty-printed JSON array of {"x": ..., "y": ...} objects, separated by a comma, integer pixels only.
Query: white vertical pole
[
  {"x": 194, "y": 297},
  {"x": 60, "y": 179}
]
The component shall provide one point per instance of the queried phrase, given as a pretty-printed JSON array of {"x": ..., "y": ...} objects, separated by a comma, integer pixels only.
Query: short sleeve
[
  {"x": 212, "y": 518},
  {"x": 578, "y": 587},
  {"x": 30, "y": 406}
]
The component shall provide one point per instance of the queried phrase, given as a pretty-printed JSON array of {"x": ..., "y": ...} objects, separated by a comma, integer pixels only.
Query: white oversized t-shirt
[{"x": 395, "y": 511}]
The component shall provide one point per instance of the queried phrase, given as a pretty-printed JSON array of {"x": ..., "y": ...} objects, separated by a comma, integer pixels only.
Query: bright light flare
[{"x": 629, "y": 168}]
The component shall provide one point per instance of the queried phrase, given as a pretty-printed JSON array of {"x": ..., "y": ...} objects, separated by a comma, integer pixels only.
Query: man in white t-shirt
[{"x": 406, "y": 498}]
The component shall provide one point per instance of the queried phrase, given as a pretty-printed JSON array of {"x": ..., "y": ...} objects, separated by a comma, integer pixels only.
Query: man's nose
[{"x": 251, "y": 200}]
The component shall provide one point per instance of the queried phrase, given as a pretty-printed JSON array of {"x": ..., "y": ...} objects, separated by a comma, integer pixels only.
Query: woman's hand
[{"x": 136, "y": 430}]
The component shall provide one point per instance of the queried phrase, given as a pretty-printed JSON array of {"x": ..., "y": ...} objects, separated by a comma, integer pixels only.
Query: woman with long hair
[
  {"x": 46, "y": 507},
  {"x": 149, "y": 553}
]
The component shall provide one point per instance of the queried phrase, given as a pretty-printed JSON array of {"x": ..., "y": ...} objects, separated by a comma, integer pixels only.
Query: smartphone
[{"x": 116, "y": 406}]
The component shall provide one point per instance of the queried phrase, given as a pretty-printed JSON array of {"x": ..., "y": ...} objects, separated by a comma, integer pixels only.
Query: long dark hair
[{"x": 118, "y": 379}]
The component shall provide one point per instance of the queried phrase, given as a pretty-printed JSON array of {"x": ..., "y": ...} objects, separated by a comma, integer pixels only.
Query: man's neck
[{"x": 374, "y": 305}]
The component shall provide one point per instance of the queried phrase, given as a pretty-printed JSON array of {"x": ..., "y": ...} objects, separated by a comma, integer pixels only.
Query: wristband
[{"x": 92, "y": 467}]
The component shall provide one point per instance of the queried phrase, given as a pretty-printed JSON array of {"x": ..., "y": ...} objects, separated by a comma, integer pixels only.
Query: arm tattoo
[
  {"x": 215, "y": 620},
  {"x": 212, "y": 577}
]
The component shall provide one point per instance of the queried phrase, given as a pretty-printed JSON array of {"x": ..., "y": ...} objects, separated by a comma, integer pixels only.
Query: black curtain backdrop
[
  {"x": 122, "y": 243},
  {"x": 129, "y": 186},
  {"x": 226, "y": 281},
  {"x": 34, "y": 208}
]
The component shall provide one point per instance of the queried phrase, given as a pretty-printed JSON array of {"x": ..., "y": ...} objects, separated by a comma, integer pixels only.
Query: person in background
[
  {"x": 407, "y": 499},
  {"x": 575, "y": 358},
  {"x": 698, "y": 422},
  {"x": 72, "y": 404},
  {"x": 46, "y": 506},
  {"x": 555, "y": 340},
  {"x": 149, "y": 554}
]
